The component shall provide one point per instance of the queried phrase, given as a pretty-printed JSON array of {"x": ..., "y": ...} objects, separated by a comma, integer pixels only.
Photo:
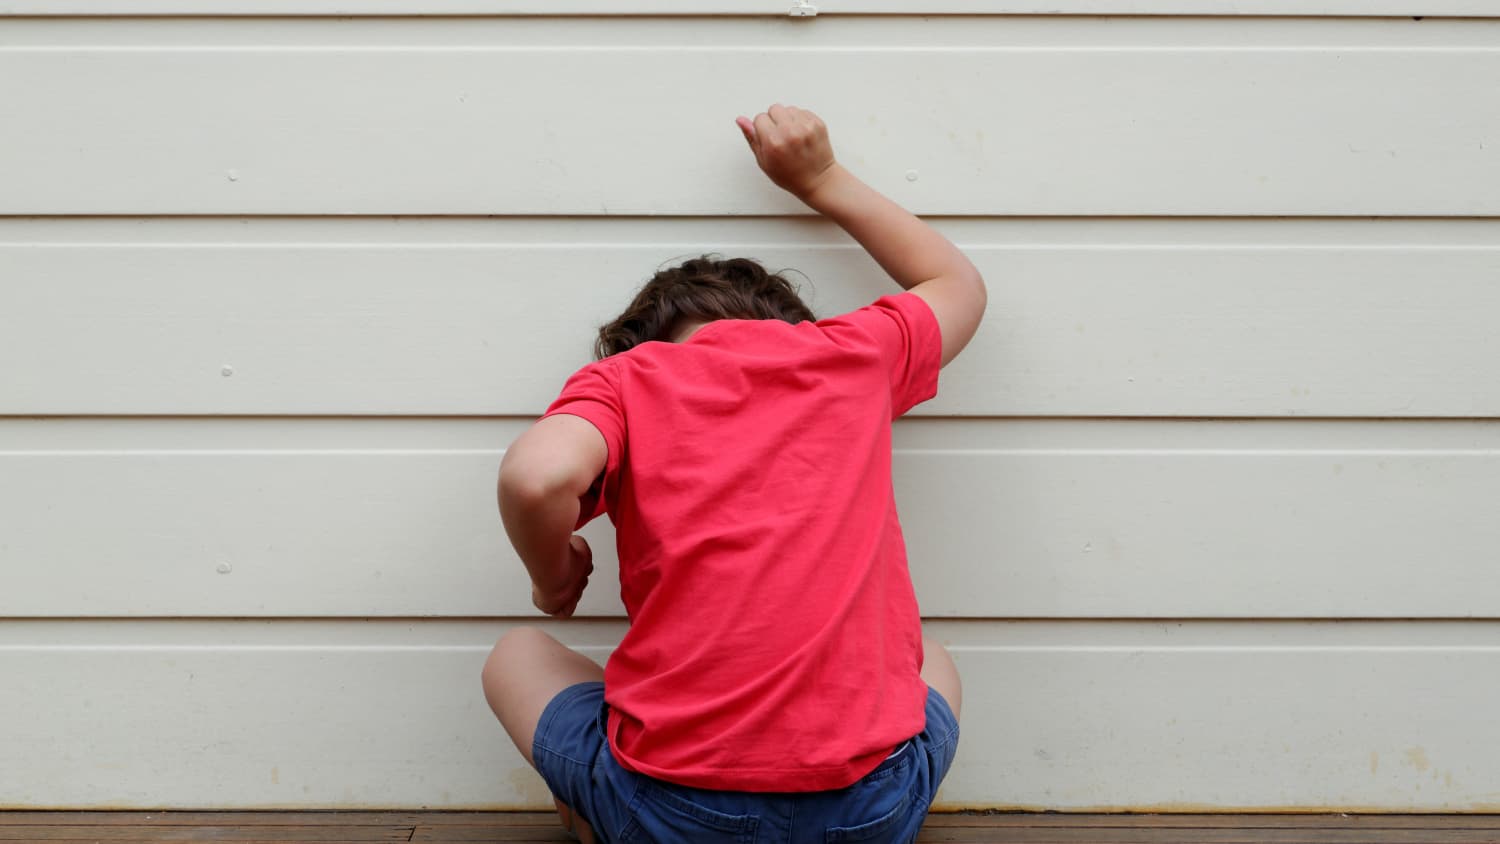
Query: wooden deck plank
[
  {"x": 1246, "y": 820},
  {"x": 216, "y": 832},
  {"x": 1084, "y": 835},
  {"x": 456, "y": 834},
  {"x": 1097, "y": 835},
  {"x": 441, "y": 827},
  {"x": 1067, "y": 835}
]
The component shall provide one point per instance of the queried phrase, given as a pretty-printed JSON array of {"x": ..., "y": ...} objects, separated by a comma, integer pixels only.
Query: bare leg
[
  {"x": 526, "y": 669},
  {"x": 584, "y": 832},
  {"x": 940, "y": 673}
]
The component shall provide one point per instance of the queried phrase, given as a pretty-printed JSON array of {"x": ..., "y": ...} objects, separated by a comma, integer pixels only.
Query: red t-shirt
[{"x": 774, "y": 640}]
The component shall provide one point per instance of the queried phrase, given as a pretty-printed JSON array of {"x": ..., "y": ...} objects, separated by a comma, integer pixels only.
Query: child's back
[
  {"x": 774, "y": 683},
  {"x": 761, "y": 560}
]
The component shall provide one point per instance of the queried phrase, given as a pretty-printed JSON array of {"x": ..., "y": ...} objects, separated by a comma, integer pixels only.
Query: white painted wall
[{"x": 1206, "y": 511}]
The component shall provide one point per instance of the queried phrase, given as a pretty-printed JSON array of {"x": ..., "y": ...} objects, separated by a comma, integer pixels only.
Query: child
[{"x": 774, "y": 684}]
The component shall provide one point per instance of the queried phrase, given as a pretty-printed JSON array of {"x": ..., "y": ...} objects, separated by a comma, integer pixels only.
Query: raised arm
[{"x": 791, "y": 145}]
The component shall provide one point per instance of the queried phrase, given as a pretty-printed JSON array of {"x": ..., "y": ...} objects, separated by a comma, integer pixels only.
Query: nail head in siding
[{"x": 227, "y": 370}]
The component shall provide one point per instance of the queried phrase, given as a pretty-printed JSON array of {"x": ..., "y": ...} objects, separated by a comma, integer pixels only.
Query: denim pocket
[
  {"x": 891, "y": 822},
  {"x": 883, "y": 799},
  {"x": 661, "y": 815}
]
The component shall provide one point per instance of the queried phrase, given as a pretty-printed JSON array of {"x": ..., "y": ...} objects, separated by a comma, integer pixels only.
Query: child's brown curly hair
[{"x": 701, "y": 289}]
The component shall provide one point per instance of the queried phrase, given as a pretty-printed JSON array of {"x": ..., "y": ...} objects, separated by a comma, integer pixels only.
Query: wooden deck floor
[{"x": 1009, "y": 828}]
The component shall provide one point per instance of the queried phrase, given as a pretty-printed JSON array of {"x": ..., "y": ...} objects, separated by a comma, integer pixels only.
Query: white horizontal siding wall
[{"x": 1206, "y": 512}]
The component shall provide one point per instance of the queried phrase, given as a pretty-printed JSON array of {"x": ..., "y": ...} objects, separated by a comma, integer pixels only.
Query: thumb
[
  {"x": 581, "y": 546},
  {"x": 747, "y": 128}
]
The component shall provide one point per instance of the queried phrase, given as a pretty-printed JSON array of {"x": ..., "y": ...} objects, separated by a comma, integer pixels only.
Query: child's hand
[
  {"x": 580, "y": 566},
  {"x": 791, "y": 146}
]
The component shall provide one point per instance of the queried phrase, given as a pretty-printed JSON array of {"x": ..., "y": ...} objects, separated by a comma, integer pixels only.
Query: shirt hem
[{"x": 764, "y": 779}]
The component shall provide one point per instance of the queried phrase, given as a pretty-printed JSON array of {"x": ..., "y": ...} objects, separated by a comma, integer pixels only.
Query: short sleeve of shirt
[
  {"x": 905, "y": 330},
  {"x": 592, "y": 393}
]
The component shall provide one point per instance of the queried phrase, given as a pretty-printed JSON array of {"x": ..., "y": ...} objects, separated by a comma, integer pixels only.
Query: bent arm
[
  {"x": 915, "y": 255},
  {"x": 542, "y": 476}
]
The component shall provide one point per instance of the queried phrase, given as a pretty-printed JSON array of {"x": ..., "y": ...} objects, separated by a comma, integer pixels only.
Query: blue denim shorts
[{"x": 888, "y": 804}]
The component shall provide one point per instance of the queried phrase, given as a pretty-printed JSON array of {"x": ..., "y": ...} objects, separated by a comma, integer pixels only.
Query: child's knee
[
  {"x": 941, "y": 672},
  {"x": 516, "y": 647}
]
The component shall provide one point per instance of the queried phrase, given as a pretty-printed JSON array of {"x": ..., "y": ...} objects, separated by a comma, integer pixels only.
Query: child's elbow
[
  {"x": 525, "y": 481},
  {"x": 982, "y": 296},
  {"x": 518, "y": 485},
  {"x": 562, "y": 455}
]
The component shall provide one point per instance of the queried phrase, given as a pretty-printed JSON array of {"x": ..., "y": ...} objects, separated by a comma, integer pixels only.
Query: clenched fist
[
  {"x": 562, "y": 603},
  {"x": 791, "y": 146}
]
